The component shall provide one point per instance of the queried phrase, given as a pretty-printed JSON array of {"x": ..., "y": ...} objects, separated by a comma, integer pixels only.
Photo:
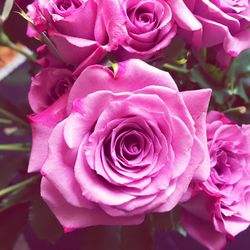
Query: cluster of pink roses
[
  {"x": 85, "y": 31},
  {"x": 115, "y": 145}
]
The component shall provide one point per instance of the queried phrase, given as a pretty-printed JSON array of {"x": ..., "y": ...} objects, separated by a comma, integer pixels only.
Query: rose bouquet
[{"x": 139, "y": 113}]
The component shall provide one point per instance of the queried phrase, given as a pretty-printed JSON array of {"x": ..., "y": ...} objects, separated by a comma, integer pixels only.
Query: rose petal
[
  {"x": 42, "y": 125},
  {"x": 75, "y": 217}
]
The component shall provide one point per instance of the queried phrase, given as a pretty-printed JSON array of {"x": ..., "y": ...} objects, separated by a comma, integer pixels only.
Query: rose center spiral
[
  {"x": 64, "y": 5},
  {"x": 60, "y": 88},
  {"x": 129, "y": 145}
]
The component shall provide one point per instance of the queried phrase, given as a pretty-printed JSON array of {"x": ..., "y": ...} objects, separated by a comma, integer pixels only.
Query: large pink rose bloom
[
  {"x": 206, "y": 23},
  {"x": 150, "y": 28},
  {"x": 78, "y": 28},
  {"x": 221, "y": 208},
  {"x": 119, "y": 146}
]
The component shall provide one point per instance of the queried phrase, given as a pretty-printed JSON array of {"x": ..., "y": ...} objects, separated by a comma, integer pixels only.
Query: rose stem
[
  {"x": 5, "y": 41},
  {"x": 17, "y": 186},
  {"x": 15, "y": 147},
  {"x": 13, "y": 117},
  {"x": 240, "y": 109},
  {"x": 175, "y": 68}
]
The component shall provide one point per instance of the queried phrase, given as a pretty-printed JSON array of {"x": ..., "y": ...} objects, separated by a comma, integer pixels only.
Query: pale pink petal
[
  {"x": 197, "y": 104},
  {"x": 235, "y": 44},
  {"x": 75, "y": 217},
  {"x": 42, "y": 125},
  {"x": 72, "y": 50},
  {"x": 132, "y": 75}
]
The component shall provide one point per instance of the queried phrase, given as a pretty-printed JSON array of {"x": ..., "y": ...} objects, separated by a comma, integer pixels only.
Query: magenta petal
[
  {"x": 72, "y": 25},
  {"x": 114, "y": 21},
  {"x": 73, "y": 50},
  {"x": 75, "y": 129},
  {"x": 234, "y": 45},
  {"x": 180, "y": 10},
  {"x": 235, "y": 225},
  {"x": 95, "y": 57},
  {"x": 59, "y": 165},
  {"x": 131, "y": 75},
  {"x": 182, "y": 151},
  {"x": 79, "y": 217},
  {"x": 197, "y": 104},
  {"x": 92, "y": 185},
  {"x": 42, "y": 125}
]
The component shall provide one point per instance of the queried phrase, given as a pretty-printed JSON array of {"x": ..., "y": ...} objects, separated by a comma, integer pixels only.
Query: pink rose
[
  {"x": 221, "y": 209},
  {"x": 215, "y": 22},
  {"x": 79, "y": 29},
  {"x": 127, "y": 144},
  {"x": 150, "y": 28},
  {"x": 47, "y": 86}
]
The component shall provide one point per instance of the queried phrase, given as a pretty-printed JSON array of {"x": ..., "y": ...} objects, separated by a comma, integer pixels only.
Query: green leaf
[
  {"x": 238, "y": 77},
  {"x": 43, "y": 222},
  {"x": 12, "y": 222},
  {"x": 19, "y": 185},
  {"x": 7, "y": 9},
  {"x": 204, "y": 82},
  {"x": 216, "y": 73},
  {"x": 174, "y": 68},
  {"x": 176, "y": 52},
  {"x": 18, "y": 197},
  {"x": 197, "y": 77},
  {"x": 51, "y": 46},
  {"x": 239, "y": 67},
  {"x": 243, "y": 89}
]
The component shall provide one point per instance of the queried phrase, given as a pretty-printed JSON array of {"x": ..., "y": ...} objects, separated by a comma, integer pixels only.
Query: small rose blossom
[
  {"x": 47, "y": 86},
  {"x": 216, "y": 22},
  {"x": 79, "y": 29},
  {"x": 220, "y": 210},
  {"x": 119, "y": 146},
  {"x": 150, "y": 28}
]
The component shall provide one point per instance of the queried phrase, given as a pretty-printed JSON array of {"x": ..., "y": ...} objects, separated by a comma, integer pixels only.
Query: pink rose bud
[
  {"x": 78, "y": 29},
  {"x": 47, "y": 86}
]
